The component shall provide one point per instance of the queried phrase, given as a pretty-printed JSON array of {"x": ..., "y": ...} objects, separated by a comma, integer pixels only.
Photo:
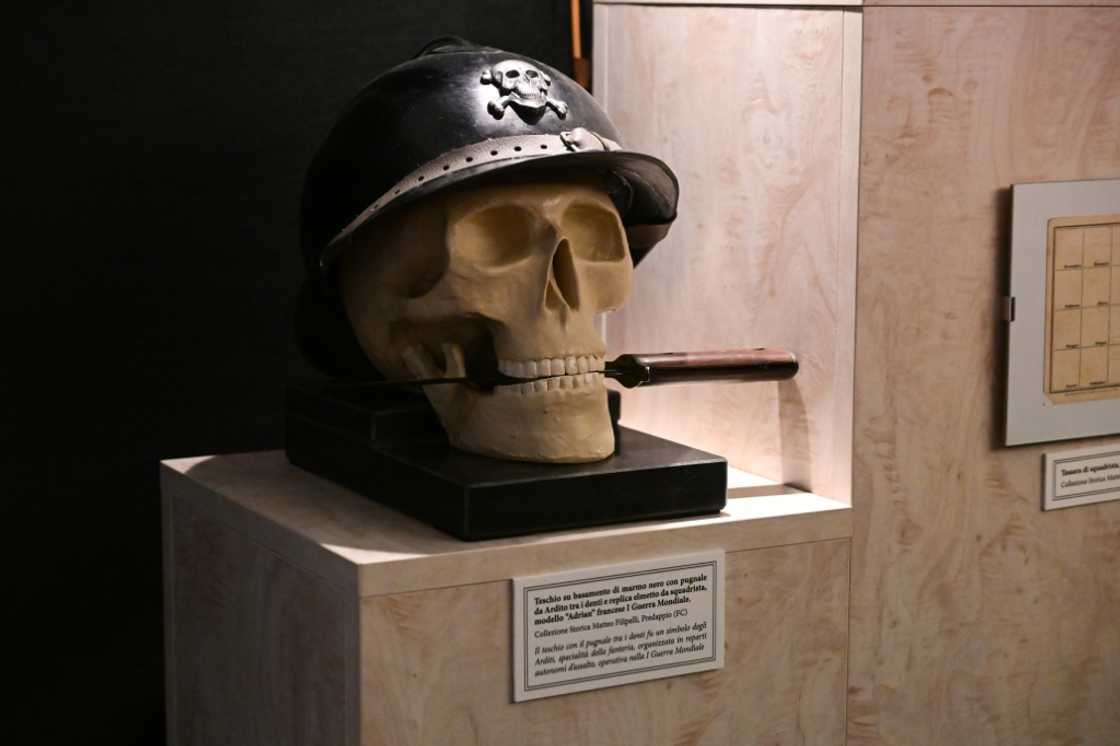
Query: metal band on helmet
[
  {"x": 455, "y": 105},
  {"x": 517, "y": 148}
]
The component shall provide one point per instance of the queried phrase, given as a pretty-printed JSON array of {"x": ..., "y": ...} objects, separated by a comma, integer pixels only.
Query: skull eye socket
[
  {"x": 530, "y": 73},
  {"x": 594, "y": 233},
  {"x": 512, "y": 73},
  {"x": 495, "y": 237}
]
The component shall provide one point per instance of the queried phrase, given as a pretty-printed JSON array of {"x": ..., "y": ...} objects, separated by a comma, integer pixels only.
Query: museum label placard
[
  {"x": 1081, "y": 476},
  {"x": 617, "y": 624}
]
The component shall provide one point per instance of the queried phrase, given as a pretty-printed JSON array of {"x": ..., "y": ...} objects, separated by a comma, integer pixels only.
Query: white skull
[
  {"x": 528, "y": 85},
  {"x": 523, "y": 87},
  {"x": 508, "y": 277}
]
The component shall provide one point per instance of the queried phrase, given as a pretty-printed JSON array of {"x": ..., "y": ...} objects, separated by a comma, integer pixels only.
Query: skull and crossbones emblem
[{"x": 522, "y": 86}]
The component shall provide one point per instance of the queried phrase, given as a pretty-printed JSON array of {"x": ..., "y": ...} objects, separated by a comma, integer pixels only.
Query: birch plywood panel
[
  {"x": 257, "y": 646},
  {"x": 1054, "y": 3},
  {"x": 748, "y": 106},
  {"x": 783, "y": 682},
  {"x": 976, "y": 618},
  {"x": 732, "y": 2}
]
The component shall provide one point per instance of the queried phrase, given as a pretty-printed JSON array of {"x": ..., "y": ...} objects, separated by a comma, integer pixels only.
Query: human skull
[{"x": 508, "y": 278}]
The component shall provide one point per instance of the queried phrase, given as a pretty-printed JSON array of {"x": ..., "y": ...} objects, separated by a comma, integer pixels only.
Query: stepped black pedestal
[{"x": 390, "y": 447}]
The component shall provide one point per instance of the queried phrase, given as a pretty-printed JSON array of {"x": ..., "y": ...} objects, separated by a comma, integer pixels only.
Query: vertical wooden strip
[
  {"x": 167, "y": 517},
  {"x": 577, "y": 37},
  {"x": 600, "y": 77},
  {"x": 847, "y": 202},
  {"x": 352, "y": 656}
]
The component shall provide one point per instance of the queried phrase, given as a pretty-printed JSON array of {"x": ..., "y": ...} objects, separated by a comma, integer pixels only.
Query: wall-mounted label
[
  {"x": 1085, "y": 475},
  {"x": 605, "y": 626}
]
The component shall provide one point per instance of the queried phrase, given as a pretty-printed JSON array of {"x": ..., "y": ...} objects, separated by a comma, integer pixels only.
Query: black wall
[{"x": 151, "y": 195}]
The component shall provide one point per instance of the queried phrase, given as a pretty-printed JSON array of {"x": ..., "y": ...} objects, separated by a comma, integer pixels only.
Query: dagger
[{"x": 657, "y": 369}]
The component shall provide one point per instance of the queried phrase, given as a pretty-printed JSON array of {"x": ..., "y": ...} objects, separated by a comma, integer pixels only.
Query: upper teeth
[
  {"x": 555, "y": 383},
  {"x": 556, "y": 366}
]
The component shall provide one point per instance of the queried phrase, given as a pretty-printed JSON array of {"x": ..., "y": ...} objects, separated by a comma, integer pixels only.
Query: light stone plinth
[{"x": 301, "y": 613}]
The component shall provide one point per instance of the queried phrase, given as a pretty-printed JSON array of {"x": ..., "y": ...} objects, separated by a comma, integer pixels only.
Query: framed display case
[{"x": 1063, "y": 311}]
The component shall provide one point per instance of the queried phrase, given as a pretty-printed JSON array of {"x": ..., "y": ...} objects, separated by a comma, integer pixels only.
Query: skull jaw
[
  {"x": 534, "y": 100},
  {"x": 560, "y": 426}
]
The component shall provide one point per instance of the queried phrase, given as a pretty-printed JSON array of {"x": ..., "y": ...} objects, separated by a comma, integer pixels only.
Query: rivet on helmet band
[{"x": 523, "y": 147}]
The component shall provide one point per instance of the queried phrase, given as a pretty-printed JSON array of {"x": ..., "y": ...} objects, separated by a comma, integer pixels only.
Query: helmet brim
[{"x": 646, "y": 201}]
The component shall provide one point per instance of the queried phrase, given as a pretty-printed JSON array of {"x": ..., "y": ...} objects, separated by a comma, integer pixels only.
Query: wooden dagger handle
[{"x": 759, "y": 364}]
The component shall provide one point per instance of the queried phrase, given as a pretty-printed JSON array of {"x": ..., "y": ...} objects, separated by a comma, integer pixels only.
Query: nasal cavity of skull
[{"x": 562, "y": 289}]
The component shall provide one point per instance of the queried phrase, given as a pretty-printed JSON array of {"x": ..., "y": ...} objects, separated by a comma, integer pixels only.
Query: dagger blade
[{"x": 630, "y": 370}]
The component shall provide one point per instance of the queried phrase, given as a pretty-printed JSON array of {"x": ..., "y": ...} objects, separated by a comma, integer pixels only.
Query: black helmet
[{"x": 458, "y": 113}]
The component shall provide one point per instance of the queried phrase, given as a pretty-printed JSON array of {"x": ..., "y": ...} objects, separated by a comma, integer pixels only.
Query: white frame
[
  {"x": 1051, "y": 497},
  {"x": 523, "y": 691},
  {"x": 1030, "y": 416}
]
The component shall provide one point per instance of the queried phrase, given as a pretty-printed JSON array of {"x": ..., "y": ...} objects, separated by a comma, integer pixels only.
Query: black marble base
[{"x": 389, "y": 446}]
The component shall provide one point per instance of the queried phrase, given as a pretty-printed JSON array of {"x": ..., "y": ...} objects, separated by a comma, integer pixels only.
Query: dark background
[{"x": 152, "y": 178}]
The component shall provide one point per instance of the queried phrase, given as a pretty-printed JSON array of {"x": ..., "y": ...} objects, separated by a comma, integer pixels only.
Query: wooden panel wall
[
  {"x": 976, "y": 618},
  {"x": 1051, "y": 3},
  {"x": 772, "y": 3},
  {"x": 783, "y": 682},
  {"x": 756, "y": 111}
]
